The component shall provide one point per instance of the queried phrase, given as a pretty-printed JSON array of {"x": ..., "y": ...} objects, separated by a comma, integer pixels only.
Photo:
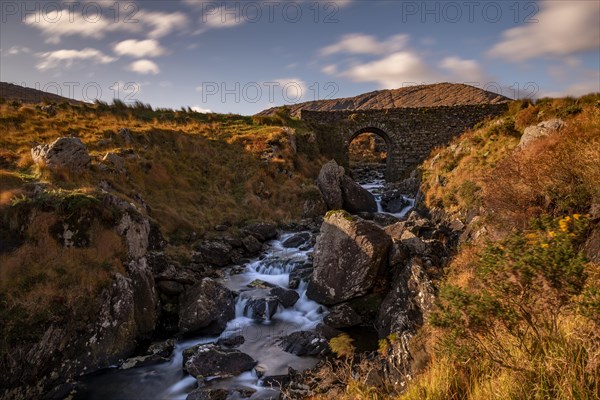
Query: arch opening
[{"x": 368, "y": 154}]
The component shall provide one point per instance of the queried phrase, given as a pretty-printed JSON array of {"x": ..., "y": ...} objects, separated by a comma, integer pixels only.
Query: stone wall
[{"x": 411, "y": 133}]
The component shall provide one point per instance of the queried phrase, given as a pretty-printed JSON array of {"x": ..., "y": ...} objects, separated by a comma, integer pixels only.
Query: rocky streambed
[{"x": 273, "y": 328}]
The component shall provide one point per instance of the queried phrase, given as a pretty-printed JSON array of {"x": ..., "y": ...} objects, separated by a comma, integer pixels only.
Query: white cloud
[
  {"x": 395, "y": 70},
  {"x": 162, "y": 23},
  {"x": 144, "y": 67},
  {"x": 66, "y": 58},
  {"x": 201, "y": 110},
  {"x": 563, "y": 28},
  {"x": 330, "y": 69},
  {"x": 291, "y": 89},
  {"x": 139, "y": 48},
  {"x": 15, "y": 50},
  {"x": 54, "y": 25},
  {"x": 463, "y": 70},
  {"x": 359, "y": 43}
]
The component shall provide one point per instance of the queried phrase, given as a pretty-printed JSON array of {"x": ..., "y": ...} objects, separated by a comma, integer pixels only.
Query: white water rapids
[{"x": 168, "y": 380}]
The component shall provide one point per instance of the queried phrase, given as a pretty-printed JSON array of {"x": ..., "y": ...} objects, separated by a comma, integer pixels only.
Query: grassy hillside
[
  {"x": 193, "y": 170},
  {"x": 185, "y": 170},
  {"x": 518, "y": 309}
]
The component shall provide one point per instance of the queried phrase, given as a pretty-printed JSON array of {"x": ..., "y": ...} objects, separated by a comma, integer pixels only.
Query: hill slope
[
  {"x": 441, "y": 94},
  {"x": 10, "y": 92}
]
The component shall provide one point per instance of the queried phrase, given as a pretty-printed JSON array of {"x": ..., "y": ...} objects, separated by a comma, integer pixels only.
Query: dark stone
[
  {"x": 231, "y": 341},
  {"x": 342, "y": 316},
  {"x": 170, "y": 288},
  {"x": 350, "y": 255},
  {"x": 205, "y": 307},
  {"x": 328, "y": 182},
  {"x": 356, "y": 198},
  {"x": 261, "y": 308},
  {"x": 216, "y": 252},
  {"x": 262, "y": 231},
  {"x": 251, "y": 244},
  {"x": 298, "y": 275},
  {"x": 286, "y": 297},
  {"x": 221, "y": 228},
  {"x": 305, "y": 343},
  {"x": 205, "y": 361},
  {"x": 393, "y": 201},
  {"x": 297, "y": 240}
]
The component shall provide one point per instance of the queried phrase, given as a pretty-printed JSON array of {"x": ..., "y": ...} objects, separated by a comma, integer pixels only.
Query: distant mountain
[
  {"x": 11, "y": 92},
  {"x": 440, "y": 94}
]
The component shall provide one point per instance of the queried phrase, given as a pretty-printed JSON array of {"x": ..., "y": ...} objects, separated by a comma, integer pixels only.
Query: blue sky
[{"x": 245, "y": 56}]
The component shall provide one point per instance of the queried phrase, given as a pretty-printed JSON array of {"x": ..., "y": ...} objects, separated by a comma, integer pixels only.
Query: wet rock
[
  {"x": 350, "y": 254},
  {"x": 286, "y": 297},
  {"x": 328, "y": 182},
  {"x": 251, "y": 244},
  {"x": 231, "y": 341},
  {"x": 207, "y": 361},
  {"x": 305, "y": 343},
  {"x": 220, "y": 394},
  {"x": 216, "y": 252},
  {"x": 259, "y": 284},
  {"x": 156, "y": 353},
  {"x": 299, "y": 274},
  {"x": 297, "y": 240},
  {"x": 205, "y": 307},
  {"x": 342, "y": 316},
  {"x": 65, "y": 152},
  {"x": 262, "y": 231},
  {"x": 355, "y": 198},
  {"x": 261, "y": 308},
  {"x": 393, "y": 201}
]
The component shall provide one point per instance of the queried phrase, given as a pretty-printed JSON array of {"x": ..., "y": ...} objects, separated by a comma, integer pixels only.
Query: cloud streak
[{"x": 563, "y": 28}]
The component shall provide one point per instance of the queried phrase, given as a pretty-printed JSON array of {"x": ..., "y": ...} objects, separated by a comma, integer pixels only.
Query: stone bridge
[{"x": 410, "y": 133}]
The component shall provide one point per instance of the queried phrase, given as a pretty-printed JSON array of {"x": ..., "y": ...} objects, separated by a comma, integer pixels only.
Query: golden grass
[
  {"x": 194, "y": 171},
  {"x": 42, "y": 282}
]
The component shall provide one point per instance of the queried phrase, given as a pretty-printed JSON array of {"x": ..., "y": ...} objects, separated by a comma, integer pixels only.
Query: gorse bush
[{"x": 518, "y": 311}]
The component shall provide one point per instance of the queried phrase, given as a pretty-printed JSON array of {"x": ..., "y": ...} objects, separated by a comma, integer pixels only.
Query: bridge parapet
[{"x": 411, "y": 133}]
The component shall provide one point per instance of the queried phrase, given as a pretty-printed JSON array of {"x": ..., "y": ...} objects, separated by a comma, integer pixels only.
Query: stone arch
[{"x": 372, "y": 128}]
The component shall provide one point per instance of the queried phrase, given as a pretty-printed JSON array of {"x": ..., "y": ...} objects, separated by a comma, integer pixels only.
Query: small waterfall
[{"x": 168, "y": 380}]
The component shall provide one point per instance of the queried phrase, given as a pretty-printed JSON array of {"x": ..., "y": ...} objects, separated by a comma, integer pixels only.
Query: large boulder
[
  {"x": 356, "y": 198},
  {"x": 205, "y": 307},
  {"x": 216, "y": 252},
  {"x": 393, "y": 201},
  {"x": 207, "y": 361},
  {"x": 350, "y": 254},
  {"x": 340, "y": 191},
  {"x": 65, "y": 152},
  {"x": 406, "y": 305},
  {"x": 542, "y": 129},
  {"x": 328, "y": 182}
]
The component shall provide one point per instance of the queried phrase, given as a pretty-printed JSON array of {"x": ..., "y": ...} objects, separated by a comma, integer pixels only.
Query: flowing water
[
  {"x": 376, "y": 187},
  {"x": 169, "y": 381}
]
